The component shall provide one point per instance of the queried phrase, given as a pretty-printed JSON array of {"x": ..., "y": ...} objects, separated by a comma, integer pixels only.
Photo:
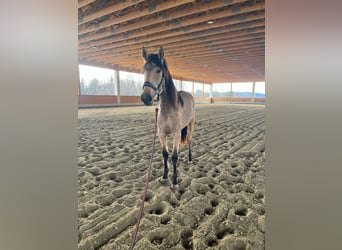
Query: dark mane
[{"x": 171, "y": 90}]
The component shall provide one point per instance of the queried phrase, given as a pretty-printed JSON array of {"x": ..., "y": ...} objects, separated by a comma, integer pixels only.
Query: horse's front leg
[
  {"x": 176, "y": 141},
  {"x": 163, "y": 142}
]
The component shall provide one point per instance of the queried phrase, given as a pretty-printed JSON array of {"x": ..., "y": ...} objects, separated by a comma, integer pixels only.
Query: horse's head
[{"x": 153, "y": 75}]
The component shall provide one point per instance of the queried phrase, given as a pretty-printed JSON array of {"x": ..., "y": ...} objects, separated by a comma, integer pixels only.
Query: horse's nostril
[{"x": 146, "y": 99}]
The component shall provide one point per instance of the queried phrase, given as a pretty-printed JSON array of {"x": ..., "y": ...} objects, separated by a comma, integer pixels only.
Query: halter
[{"x": 158, "y": 90}]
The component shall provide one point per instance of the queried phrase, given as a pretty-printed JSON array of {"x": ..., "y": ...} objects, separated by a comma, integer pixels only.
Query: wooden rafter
[{"x": 231, "y": 48}]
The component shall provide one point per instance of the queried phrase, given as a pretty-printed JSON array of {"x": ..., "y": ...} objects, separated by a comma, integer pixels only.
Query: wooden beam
[
  {"x": 124, "y": 59},
  {"x": 224, "y": 39},
  {"x": 227, "y": 26},
  {"x": 167, "y": 17},
  {"x": 178, "y": 48},
  {"x": 187, "y": 49},
  {"x": 219, "y": 41},
  {"x": 184, "y": 24},
  {"x": 108, "y": 10},
  {"x": 153, "y": 34},
  {"x": 82, "y": 3},
  {"x": 134, "y": 15},
  {"x": 214, "y": 54},
  {"x": 229, "y": 47},
  {"x": 171, "y": 42},
  {"x": 185, "y": 62}
]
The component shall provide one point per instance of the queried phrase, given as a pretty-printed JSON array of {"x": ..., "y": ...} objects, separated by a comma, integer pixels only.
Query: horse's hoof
[
  {"x": 174, "y": 187},
  {"x": 163, "y": 181},
  {"x": 189, "y": 162}
]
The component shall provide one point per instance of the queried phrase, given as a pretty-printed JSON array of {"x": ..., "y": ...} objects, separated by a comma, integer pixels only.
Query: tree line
[{"x": 128, "y": 87}]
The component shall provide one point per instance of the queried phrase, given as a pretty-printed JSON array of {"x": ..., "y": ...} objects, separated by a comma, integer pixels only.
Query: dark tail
[{"x": 184, "y": 133}]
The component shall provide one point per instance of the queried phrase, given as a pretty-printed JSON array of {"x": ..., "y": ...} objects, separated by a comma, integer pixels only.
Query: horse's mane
[{"x": 171, "y": 90}]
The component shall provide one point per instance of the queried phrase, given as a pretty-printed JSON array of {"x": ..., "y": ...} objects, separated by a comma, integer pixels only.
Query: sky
[
  {"x": 89, "y": 72},
  {"x": 247, "y": 86}
]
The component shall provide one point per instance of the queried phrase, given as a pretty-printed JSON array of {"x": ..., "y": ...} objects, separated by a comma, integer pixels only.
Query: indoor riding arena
[{"x": 215, "y": 50}]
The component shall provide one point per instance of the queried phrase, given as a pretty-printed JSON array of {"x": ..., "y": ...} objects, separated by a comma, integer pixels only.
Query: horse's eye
[{"x": 158, "y": 71}]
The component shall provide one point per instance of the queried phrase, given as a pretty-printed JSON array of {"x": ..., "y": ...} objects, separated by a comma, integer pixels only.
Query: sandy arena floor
[{"x": 220, "y": 203}]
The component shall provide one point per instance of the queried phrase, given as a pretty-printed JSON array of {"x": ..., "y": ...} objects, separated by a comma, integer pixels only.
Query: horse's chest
[{"x": 168, "y": 125}]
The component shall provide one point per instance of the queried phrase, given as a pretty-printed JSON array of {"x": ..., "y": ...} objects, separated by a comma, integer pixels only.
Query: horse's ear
[
  {"x": 144, "y": 54},
  {"x": 161, "y": 54}
]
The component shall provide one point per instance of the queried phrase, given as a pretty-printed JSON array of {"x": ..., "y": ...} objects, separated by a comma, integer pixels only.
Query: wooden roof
[{"x": 204, "y": 40}]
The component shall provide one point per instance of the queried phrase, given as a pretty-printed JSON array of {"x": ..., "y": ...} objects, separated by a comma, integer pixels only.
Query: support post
[
  {"x": 253, "y": 92},
  {"x": 79, "y": 88},
  {"x": 117, "y": 73},
  {"x": 193, "y": 88},
  {"x": 79, "y": 83}
]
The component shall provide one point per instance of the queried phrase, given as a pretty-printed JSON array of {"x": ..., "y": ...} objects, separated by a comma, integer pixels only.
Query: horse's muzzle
[{"x": 147, "y": 99}]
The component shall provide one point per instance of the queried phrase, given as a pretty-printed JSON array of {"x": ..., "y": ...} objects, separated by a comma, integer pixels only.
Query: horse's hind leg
[
  {"x": 176, "y": 141},
  {"x": 165, "y": 153},
  {"x": 190, "y": 154},
  {"x": 189, "y": 138}
]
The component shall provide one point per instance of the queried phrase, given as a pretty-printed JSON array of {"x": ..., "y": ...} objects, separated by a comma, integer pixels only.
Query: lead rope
[{"x": 148, "y": 176}]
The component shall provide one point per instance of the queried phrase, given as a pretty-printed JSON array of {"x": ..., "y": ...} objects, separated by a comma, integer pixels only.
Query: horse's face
[{"x": 153, "y": 74}]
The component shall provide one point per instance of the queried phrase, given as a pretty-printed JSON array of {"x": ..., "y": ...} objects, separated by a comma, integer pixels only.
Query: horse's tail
[{"x": 184, "y": 133}]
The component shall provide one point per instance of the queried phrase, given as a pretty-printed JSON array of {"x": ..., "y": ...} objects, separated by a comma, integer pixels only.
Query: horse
[{"x": 177, "y": 109}]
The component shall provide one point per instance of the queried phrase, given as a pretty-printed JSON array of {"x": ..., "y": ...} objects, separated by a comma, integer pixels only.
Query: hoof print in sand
[
  {"x": 209, "y": 211},
  {"x": 158, "y": 209},
  {"x": 211, "y": 242},
  {"x": 242, "y": 211},
  {"x": 214, "y": 202},
  {"x": 165, "y": 219},
  {"x": 163, "y": 239},
  {"x": 186, "y": 236},
  {"x": 149, "y": 195},
  {"x": 220, "y": 234}
]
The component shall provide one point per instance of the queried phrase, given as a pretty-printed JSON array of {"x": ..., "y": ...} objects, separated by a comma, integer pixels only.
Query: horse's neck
[{"x": 165, "y": 102}]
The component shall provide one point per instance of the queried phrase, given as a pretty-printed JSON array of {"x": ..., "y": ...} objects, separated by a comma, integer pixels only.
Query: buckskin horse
[{"x": 177, "y": 109}]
